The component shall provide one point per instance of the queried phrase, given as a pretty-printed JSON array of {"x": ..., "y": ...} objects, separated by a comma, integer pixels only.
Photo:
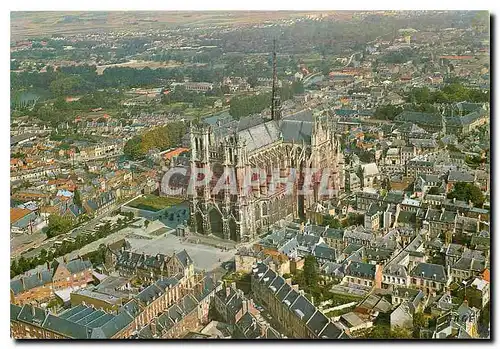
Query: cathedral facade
[{"x": 264, "y": 164}]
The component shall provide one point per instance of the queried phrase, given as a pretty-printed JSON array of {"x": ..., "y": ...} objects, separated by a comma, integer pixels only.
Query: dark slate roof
[
  {"x": 98, "y": 322},
  {"x": 291, "y": 297},
  {"x": 149, "y": 294},
  {"x": 359, "y": 269},
  {"x": 80, "y": 315},
  {"x": 331, "y": 332},
  {"x": 465, "y": 263},
  {"x": 332, "y": 233},
  {"x": 352, "y": 248},
  {"x": 276, "y": 284},
  {"x": 26, "y": 315},
  {"x": 188, "y": 303},
  {"x": 164, "y": 283},
  {"x": 209, "y": 284},
  {"x": 377, "y": 254},
  {"x": 91, "y": 317},
  {"x": 67, "y": 328},
  {"x": 70, "y": 312},
  {"x": 268, "y": 278},
  {"x": 317, "y": 322},
  {"x": 245, "y": 323},
  {"x": 16, "y": 286},
  {"x": 324, "y": 253},
  {"x": 116, "y": 324},
  {"x": 260, "y": 135},
  {"x": 14, "y": 311},
  {"x": 78, "y": 265},
  {"x": 457, "y": 176},
  {"x": 283, "y": 292},
  {"x": 184, "y": 258},
  {"x": 132, "y": 307},
  {"x": 303, "y": 308},
  {"x": 296, "y": 131},
  {"x": 427, "y": 271}
]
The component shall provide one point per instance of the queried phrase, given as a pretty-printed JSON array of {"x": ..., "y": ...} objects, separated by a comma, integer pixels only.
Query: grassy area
[{"x": 154, "y": 203}]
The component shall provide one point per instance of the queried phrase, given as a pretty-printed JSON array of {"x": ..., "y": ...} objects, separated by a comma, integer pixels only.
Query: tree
[
  {"x": 387, "y": 112},
  {"x": 385, "y": 332},
  {"x": 252, "y": 81},
  {"x": 311, "y": 271},
  {"x": 433, "y": 191},
  {"x": 467, "y": 192},
  {"x": 157, "y": 138},
  {"x": 353, "y": 219},
  {"x": 146, "y": 223},
  {"x": 77, "y": 199},
  {"x": 58, "y": 225},
  {"x": 332, "y": 222}
]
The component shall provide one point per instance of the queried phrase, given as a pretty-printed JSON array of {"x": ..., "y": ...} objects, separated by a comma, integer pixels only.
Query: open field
[{"x": 47, "y": 23}]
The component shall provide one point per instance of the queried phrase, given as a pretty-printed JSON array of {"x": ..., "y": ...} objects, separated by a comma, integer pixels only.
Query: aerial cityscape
[{"x": 250, "y": 175}]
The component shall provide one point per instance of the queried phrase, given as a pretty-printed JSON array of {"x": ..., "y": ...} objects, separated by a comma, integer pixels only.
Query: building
[
  {"x": 150, "y": 268},
  {"x": 402, "y": 316},
  {"x": 365, "y": 274},
  {"x": 41, "y": 285},
  {"x": 430, "y": 278},
  {"x": 296, "y": 315}
]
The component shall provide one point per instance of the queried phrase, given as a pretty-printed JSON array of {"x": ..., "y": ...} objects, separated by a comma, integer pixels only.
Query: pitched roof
[
  {"x": 363, "y": 270},
  {"x": 17, "y": 213},
  {"x": 317, "y": 322},
  {"x": 430, "y": 272}
]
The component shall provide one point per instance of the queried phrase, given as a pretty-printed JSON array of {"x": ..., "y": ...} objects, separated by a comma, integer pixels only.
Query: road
[{"x": 39, "y": 243}]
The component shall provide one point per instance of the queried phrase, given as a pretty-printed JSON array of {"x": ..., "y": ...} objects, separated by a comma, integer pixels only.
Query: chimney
[
  {"x": 33, "y": 310},
  {"x": 228, "y": 291},
  {"x": 48, "y": 265}
]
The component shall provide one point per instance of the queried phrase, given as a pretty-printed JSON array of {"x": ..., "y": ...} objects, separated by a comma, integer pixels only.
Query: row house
[
  {"x": 147, "y": 267},
  {"x": 231, "y": 304},
  {"x": 40, "y": 286},
  {"x": 84, "y": 322},
  {"x": 298, "y": 317},
  {"x": 365, "y": 274},
  {"x": 80, "y": 322},
  {"x": 430, "y": 278},
  {"x": 467, "y": 267}
]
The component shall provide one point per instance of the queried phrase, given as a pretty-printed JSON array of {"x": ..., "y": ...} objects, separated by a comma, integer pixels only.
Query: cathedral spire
[{"x": 276, "y": 101}]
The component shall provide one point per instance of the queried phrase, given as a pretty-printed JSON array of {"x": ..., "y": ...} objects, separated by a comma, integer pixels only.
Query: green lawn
[{"x": 154, "y": 203}]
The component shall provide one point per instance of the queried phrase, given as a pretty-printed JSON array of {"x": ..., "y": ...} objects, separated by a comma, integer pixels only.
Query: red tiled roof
[
  {"x": 17, "y": 213},
  {"x": 176, "y": 152}
]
